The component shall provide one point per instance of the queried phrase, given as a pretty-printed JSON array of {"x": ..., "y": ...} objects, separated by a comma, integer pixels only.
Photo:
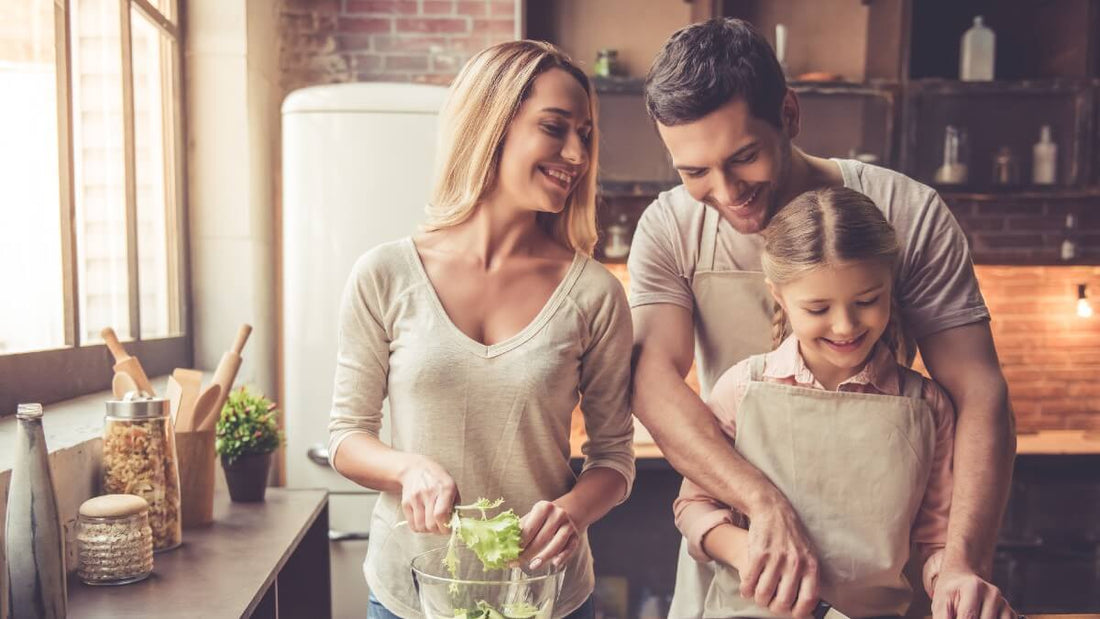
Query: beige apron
[
  {"x": 855, "y": 467},
  {"x": 732, "y": 322}
]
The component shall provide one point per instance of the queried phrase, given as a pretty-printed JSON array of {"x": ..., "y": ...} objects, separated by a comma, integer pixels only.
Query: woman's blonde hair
[
  {"x": 827, "y": 227},
  {"x": 482, "y": 102}
]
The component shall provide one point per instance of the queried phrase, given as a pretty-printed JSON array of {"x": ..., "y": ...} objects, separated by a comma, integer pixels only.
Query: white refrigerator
[{"x": 357, "y": 168}]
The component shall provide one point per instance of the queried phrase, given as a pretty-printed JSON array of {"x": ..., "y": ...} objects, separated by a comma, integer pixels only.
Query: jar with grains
[
  {"x": 139, "y": 457},
  {"x": 116, "y": 543}
]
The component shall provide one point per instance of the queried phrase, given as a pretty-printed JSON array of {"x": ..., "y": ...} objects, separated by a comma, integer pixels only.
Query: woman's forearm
[
  {"x": 371, "y": 463},
  {"x": 597, "y": 490}
]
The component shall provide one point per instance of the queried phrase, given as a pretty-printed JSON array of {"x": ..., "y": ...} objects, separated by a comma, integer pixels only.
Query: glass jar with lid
[
  {"x": 116, "y": 542},
  {"x": 139, "y": 458}
]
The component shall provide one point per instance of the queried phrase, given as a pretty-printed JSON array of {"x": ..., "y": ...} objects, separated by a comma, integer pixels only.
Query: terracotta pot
[{"x": 247, "y": 477}]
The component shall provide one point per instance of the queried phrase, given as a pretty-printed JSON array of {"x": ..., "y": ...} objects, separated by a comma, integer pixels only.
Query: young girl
[{"x": 859, "y": 444}]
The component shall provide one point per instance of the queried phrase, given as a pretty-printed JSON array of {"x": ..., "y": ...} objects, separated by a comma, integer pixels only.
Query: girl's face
[
  {"x": 546, "y": 150},
  {"x": 838, "y": 313}
]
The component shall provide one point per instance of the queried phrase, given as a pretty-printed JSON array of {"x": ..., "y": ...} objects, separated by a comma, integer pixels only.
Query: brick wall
[
  {"x": 330, "y": 41},
  {"x": 1029, "y": 230},
  {"x": 1050, "y": 355}
]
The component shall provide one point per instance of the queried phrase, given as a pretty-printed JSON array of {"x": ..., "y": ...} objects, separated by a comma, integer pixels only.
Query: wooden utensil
[
  {"x": 121, "y": 384},
  {"x": 190, "y": 382},
  {"x": 173, "y": 392},
  {"x": 125, "y": 363},
  {"x": 229, "y": 364},
  {"x": 205, "y": 416}
]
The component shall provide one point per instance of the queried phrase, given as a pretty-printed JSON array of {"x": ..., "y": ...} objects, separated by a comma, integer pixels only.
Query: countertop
[
  {"x": 1045, "y": 443},
  {"x": 223, "y": 570}
]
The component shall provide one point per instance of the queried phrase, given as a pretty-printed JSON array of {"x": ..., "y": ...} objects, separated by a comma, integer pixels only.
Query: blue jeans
[{"x": 375, "y": 610}]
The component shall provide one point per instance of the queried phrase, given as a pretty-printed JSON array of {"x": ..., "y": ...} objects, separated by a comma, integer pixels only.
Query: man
[{"x": 723, "y": 110}]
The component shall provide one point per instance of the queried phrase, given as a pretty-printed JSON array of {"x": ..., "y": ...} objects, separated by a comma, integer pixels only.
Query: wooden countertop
[
  {"x": 1046, "y": 443},
  {"x": 222, "y": 570}
]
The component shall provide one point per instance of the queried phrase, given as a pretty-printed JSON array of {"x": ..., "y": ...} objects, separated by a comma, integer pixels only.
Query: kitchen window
[{"x": 92, "y": 217}]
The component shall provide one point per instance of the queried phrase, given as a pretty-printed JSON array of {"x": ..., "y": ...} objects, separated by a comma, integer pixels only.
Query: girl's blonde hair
[
  {"x": 827, "y": 227},
  {"x": 482, "y": 102}
]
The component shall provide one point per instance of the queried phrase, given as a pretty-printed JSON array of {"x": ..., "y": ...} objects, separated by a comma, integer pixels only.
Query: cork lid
[{"x": 113, "y": 506}]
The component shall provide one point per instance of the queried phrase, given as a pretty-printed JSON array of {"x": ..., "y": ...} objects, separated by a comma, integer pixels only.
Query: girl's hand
[
  {"x": 427, "y": 496},
  {"x": 549, "y": 534}
]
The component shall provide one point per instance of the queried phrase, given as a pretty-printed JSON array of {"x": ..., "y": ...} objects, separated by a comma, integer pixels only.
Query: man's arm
[
  {"x": 964, "y": 361},
  {"x": 782, "y": 562}
]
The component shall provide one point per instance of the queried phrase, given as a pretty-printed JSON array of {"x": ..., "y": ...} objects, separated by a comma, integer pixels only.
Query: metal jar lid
[{"x": 138, "y": 405}]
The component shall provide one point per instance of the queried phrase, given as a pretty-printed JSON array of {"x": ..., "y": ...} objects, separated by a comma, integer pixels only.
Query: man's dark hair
[{"x": 703, "y": 66}]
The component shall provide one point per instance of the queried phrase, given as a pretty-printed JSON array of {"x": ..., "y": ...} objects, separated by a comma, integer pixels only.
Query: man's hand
[
  {"x": 782, "y": 568},
  {"x": 963, "y": 594}
]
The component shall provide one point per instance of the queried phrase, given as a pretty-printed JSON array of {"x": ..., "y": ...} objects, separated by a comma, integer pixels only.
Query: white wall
[{"x": 231, "y": 58}]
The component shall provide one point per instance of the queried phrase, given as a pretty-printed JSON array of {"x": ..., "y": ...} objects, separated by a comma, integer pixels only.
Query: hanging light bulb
[{"x": 1084, "y": 309}]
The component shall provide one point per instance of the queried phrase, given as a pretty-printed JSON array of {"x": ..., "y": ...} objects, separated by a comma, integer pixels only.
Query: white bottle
[
  {"x": 976, "y": 55},
  {"x": 781, "y": 46},
  {"x": 1044, "y": 159}
]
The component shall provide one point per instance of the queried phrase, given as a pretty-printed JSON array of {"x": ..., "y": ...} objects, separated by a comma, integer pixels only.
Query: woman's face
[{"x": 547, "y": 147}]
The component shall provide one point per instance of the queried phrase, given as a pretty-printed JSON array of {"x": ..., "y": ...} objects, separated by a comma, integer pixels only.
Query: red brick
[
  {"x": 495, "y": 26},
  {"x": 430, "y": 25},
  {"x": 366, "y": 63},
  {"x": 477, "y": 8},
  {"x": 439, "y": 7},
  {"x": 502, "y": 9},
  {"x": 411, "y": 43},
  {"x": 366, "y": 24},
  {"x": 382, "y": 7},
  {"x": 407, "y": 62}
]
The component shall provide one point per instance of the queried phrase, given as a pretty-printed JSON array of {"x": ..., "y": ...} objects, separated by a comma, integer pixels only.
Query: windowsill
[{"x": 68, "y": 424}]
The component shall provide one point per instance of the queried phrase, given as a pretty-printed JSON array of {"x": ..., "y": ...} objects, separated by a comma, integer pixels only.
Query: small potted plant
[{"x": 246, "y": 435}]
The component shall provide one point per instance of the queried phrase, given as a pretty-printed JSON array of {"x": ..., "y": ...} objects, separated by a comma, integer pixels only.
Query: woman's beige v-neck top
[{"x": 495, "y": 417}]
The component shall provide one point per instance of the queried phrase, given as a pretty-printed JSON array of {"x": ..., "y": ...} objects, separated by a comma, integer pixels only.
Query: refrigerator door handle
[
  {"x": 347, "y": 536},
  {"x": 318, "y": 453}
]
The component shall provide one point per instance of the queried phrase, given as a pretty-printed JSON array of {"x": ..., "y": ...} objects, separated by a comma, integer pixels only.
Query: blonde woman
[{"x": 484, "y": 332}]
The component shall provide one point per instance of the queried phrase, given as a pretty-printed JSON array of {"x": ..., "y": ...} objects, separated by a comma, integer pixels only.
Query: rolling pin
[
  {"x": 227, "y": 373},
  {"x": 125, "y": 363}
]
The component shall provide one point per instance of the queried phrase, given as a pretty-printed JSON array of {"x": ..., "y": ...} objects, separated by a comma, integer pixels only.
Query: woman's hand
[
  {"x": 549, "y": 533},
  {"x": 428, "y": 495}
]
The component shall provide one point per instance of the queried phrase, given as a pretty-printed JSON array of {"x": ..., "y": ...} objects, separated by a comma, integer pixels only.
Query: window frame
[{"x": 52, "y": 375}]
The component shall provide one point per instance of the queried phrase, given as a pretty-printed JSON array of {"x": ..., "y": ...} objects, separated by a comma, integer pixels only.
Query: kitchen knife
[
  {"x": 125, "y": 363},
  {"x": 825, "y": 610}
]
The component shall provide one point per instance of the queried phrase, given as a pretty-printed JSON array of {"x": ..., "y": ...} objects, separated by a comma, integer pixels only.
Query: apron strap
[
  {"x": 709, "y": 239},
  {"x": 756, "y": 368},
  {"x": 912, "y": 385}
]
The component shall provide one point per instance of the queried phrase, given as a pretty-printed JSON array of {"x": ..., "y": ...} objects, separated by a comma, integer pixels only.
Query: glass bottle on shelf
[
  {"x": 954, "y": 170},
  {"x": 977, "y": 53},
  {"x": 618, "y": 244},
  {"x": 607, "y": 63},
  {"x": 1005, "y": 170},
  {"x": 1069, "y": 244},
  {"x": 1044, "y": 159}
]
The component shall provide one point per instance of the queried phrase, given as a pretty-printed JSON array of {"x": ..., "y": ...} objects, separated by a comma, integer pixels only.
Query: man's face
[{"x": 734, "y": 162}]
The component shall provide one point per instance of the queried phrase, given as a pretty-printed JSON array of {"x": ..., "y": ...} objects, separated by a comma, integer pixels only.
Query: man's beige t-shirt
[
  {"x": 497, "y": 417},
  {"x": 936, "y": 286}
]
